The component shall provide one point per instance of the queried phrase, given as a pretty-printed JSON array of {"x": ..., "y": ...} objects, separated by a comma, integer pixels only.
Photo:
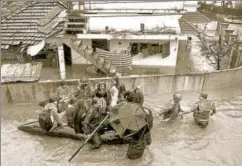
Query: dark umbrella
[{"x": 128, "y": 116}]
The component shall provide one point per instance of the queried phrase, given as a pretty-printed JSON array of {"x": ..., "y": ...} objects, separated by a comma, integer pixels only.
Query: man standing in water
[
  {"x": 173, "y": 108},
  {"x": 202, "y": 110}
]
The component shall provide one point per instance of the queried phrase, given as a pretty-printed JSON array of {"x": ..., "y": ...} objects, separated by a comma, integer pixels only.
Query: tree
[{"x": 216, "y": 49}]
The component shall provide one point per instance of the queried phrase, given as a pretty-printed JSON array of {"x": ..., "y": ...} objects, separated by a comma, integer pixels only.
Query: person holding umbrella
[{"x": 134, "y": 124}]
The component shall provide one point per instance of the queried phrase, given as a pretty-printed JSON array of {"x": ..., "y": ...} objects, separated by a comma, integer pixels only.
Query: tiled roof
[
  {"x": 9, "y": 8},
  {"x": 32, "y": 24}
]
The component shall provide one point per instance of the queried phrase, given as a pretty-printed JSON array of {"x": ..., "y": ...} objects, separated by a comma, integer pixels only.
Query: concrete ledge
[{"x": 152, "y": 84}]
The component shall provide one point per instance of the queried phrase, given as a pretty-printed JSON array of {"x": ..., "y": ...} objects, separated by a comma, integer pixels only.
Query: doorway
[{"x": 67, "y": 55}]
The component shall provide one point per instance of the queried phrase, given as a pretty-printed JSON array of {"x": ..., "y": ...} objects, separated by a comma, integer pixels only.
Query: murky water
[{"x": 178, "y": 144}]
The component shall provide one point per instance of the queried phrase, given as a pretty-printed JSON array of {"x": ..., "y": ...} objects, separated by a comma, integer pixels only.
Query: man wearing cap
[
  {"x": 83, "y": 90},
  {"x": 173, "y": 107},
  {"x": 202, "y": 110}
]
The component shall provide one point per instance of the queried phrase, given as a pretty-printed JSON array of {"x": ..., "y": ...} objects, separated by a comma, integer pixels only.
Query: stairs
[
  {"x": 188, "y": 21},
  {"x": 195, "y": 17},
  {"x": 187, "y": 28},
  {"x": 96, "y": 59}
]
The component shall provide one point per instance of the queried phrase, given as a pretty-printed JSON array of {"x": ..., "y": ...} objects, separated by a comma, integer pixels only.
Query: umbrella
[{"x": 128, "y": 116}]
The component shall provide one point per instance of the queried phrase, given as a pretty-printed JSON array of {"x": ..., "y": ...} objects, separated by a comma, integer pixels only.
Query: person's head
[
  {"x": 62, "y": 83},
  {"x": 101, "y": 86},
  {"x": 138, "y": 88},
  {"x": 177, "y": 97},
  {"x": 115, "y": 80},
  {"x": 83, "y": 80},
  {"x": 131, "y": 97},
  {"x": 203, "y": 95},
  {"x": 52, "y": 99},
  {"x": 71, "y": 101}
]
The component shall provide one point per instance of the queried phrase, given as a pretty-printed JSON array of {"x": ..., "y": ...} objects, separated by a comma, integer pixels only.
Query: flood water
[{"x": 177, "y": 144}]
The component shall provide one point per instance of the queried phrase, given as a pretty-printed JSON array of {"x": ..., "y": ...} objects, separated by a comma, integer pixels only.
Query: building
[
  {"x": 28, "y": 26},
  {"x": 85, "y": 36}
]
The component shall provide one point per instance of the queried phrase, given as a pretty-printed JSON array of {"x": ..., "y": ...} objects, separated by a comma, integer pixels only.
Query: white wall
[
  {"x": 78, "y": 58},
  {"x": 114, "y": 45}
]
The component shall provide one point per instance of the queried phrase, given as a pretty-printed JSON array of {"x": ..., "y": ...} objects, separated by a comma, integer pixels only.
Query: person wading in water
[
  {"x": 173, "y": 108},
  {"x": 202, "y": 110}
]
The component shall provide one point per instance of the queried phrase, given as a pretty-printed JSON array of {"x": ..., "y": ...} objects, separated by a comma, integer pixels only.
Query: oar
[
  {"x": 90, "y": 136},
  {"x": 30, "y": 123}
]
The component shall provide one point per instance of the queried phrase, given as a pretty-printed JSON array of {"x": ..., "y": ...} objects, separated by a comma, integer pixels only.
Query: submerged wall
[{"x": 32, "y": 92}]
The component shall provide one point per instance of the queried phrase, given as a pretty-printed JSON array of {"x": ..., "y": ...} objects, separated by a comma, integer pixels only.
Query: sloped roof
[
  {"x": 32, "y": 24},
  {"x": 10, "y": 8},
  {"x": 20, "y": 72}
]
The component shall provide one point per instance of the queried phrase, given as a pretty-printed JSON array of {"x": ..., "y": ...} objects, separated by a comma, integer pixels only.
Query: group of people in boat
[
  {"x": 86, "y": 107},
  {"x": 202, "y": 110}
]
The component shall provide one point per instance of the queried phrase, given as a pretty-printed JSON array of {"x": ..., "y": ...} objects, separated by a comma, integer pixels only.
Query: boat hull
[{"x": 67, "y": 132}]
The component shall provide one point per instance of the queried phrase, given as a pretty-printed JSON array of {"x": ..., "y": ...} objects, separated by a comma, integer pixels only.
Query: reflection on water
[{"x": 179, "y": 144}]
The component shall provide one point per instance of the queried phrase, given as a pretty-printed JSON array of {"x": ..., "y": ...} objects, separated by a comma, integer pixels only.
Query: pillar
[
  {"x": 227, "y": 33},
  {"x": 61, "y": 58},
  {"x": 223, "y": 27}
]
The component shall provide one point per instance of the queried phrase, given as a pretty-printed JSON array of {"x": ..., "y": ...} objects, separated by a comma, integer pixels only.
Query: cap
[
  {"x": 177, "y": 96},
  {"x": 83, "y": 80},
  {"x": 203, "y": 94}
]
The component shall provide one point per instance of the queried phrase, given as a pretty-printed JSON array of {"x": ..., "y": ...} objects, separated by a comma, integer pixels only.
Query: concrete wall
[
  {"x": 115, "y": 46},
  {"x": 78, "y": 58},
  {"x": 32, "y": 92}
]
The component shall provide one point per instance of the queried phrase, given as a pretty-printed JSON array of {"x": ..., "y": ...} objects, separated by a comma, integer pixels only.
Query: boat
[{"x": 109, "y": 137}]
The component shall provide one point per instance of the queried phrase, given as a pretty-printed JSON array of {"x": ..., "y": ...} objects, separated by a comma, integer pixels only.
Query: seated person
[
  {"x": 101, "y": 92},
  {"x": 63, "y": 95},
  {"x": 83, "y": 90},
  {"x": 49, "y": 119},
  {"x": 70, "y": 113}
]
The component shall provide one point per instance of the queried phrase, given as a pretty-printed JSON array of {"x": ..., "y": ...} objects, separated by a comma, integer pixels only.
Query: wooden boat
[{"x": 109, "y": 137}]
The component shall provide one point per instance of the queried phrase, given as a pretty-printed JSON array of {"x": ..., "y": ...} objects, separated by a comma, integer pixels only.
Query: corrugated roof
[
  {"x": 20, "y": 72},
  {"x": 25, "y": 25}
]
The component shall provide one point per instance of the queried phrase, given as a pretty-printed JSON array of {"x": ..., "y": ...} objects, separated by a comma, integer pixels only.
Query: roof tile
[{"x": 23, "y": 27}]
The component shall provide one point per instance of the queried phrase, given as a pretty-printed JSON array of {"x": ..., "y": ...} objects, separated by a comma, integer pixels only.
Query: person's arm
[
  {"x": 87, "y": 120},
  {"x": 213, "y": 109},
  {"x": 68, "y": 92},
  {"x": 194, "y": 108},
  {"x": 58, "y": 94},
  {"x": 141, "y": 98},
  {"x": 122, "y": 90},
  {"x": 76, "y": 91}
]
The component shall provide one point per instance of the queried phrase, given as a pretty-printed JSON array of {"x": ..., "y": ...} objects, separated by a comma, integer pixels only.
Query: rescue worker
[
  {"x": 50, "y": 118},
  {"x": 83, "y": 90},
  {"x": 92, "y": 119},
  {"x": 63, "y": 95},
  {"x": 139, "y": 95},
  {"x": 141, "y": 139},
  {"x": 173, "y": 108},
  {"x": 202, "y": 110}
]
